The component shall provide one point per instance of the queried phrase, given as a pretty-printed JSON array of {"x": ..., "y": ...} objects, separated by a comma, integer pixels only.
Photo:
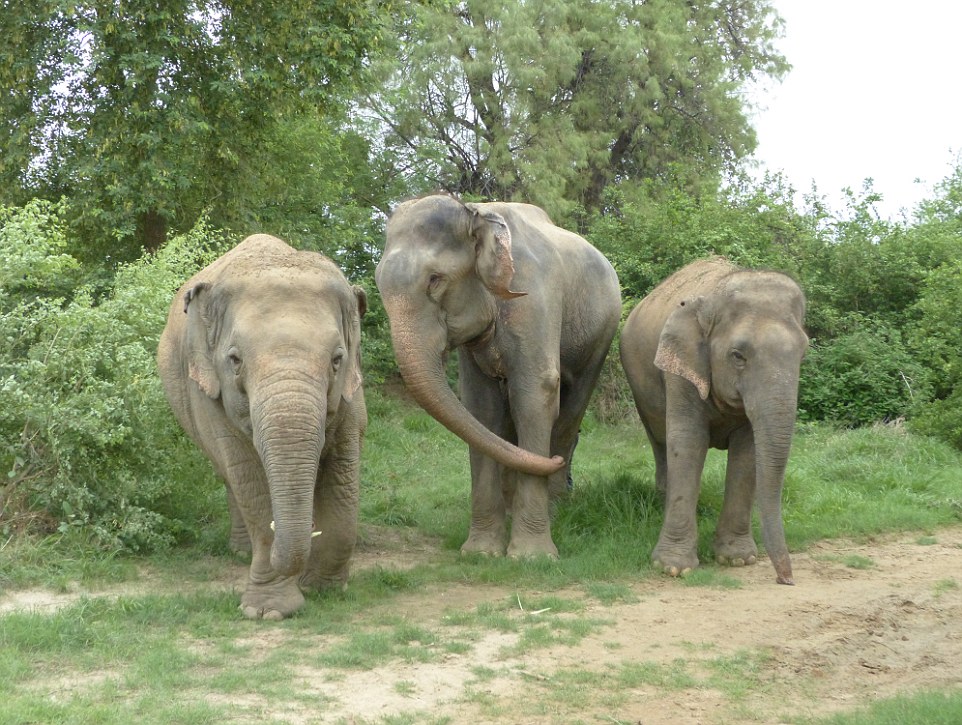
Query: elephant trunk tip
[
  {"x": 539, "y": 466},
  {"x": 783, "y": 571}
]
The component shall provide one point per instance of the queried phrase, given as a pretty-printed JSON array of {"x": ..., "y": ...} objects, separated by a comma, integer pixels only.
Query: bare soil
[{"x": 843, "y": 637}]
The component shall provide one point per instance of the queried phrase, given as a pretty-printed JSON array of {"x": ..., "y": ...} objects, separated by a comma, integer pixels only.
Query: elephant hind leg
[
  {"x": 575, "y": 394},
  {"x": 660, "y": 453},
  {"x": 335, "y": 529},
  {"x": 240, "y": 540}
]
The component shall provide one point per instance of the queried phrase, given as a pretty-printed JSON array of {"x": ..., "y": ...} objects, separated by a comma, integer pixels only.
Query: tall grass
[
  {"x": 416, "y": 480},
  {"x": 840, "y": 483}
]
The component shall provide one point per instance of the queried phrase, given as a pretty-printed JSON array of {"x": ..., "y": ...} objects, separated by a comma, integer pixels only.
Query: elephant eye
[
  {"x": 738, "y": 356},
  {"x": 234, "y": 360},
  {"x": 337, "y": 359},
  {"x": 434, "y": 281}
]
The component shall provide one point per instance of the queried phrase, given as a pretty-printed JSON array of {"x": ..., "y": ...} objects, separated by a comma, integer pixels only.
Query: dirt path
[
  {"x": 753, "y": 653},
  {"x": 842, "y": 637}
]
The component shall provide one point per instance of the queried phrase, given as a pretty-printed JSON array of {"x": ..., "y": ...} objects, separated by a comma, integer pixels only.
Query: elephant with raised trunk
[
  {"x": 260, "y": 362},
  {"x": 531, "y": 309},
  {"x": 712, "y": 356}
]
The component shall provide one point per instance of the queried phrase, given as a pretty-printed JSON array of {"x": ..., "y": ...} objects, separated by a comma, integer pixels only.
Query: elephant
[
  {"x": 261, "y": 365},
  {"x": 712, "y": 357},
  {"x": 531, "y": 309}
]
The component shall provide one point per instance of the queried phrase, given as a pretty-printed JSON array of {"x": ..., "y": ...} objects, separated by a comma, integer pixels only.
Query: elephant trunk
[
  {"x": 773, "y": 423},
  {"x": 289, "y": 421},
  {"x": 418, "y": 347}
]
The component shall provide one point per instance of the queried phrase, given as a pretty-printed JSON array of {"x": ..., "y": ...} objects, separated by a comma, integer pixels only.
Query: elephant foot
[
  {"x": 529, "y": 548},
  {"x": 272, "y": 601},
  {"x": 735, "y": 550},
  {"x": 672, "y": 570},
  {"x": 676, "y": 561},
  {"x": 486, "y": 543}
]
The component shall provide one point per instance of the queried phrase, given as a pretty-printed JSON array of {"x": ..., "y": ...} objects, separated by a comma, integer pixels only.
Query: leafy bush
[
  {"x": 864, "y": 376},
  {"x": 938, "y": 336},
  {"x": 87, "y": 440}
]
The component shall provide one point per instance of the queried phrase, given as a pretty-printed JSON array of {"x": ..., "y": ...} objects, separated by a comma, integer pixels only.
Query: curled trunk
[{"x": 419, "y": 359}]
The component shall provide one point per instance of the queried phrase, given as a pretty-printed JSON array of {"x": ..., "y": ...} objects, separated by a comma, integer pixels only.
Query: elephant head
[
  {"x": 742, "y": 346},
  {"x": 278, "y": 348},
  {"x": 445, "y": 269}
]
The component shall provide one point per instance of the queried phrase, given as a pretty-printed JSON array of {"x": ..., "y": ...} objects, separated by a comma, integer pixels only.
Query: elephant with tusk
[
  {"x": 260, "y": 360},
  {"x": 531, "y": 309}
]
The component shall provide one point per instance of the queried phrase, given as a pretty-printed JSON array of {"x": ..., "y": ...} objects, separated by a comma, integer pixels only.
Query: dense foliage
[
  {"x": 552, "y": 101},
  {"x": 883, "y": 298},
  {"x": 146, "y": 115},
  {"x": 214, "y": 120},
  {"x": 87, "y": 440}
]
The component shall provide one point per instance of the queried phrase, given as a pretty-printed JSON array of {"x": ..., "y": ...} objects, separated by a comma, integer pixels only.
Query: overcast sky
[{"x": 875, "y": 91}]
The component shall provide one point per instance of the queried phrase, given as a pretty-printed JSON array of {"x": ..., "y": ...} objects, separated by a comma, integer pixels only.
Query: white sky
[{"x": 875, "y": 91}]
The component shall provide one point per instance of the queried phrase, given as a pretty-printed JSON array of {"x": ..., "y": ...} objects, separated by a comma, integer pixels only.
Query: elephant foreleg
[
  {"x": 535, "y": 408},
  {"x": 488, "y": 507},
  {"x": 686, "y": 447},
  {"x": 734, "y": 544},
  {"x": 484, "y": 398},
  {"x": 335, "y": 532}
]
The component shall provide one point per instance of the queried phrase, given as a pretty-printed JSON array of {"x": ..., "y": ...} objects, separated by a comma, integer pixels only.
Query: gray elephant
[
  {"x": 260, "y": 362},
  {"x": 712, "y": 356},
  {"x": 532, "y": 310}
]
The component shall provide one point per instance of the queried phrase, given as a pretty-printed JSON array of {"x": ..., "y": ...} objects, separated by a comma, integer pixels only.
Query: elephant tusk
[{"x": 314, "y": 534}]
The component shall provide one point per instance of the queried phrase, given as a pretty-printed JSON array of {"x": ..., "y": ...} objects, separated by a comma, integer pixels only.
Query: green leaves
[
  {"x": 147, "y": 115},
  {"x": 82, "y": 415},
  {"x": 551, "y": 102}
]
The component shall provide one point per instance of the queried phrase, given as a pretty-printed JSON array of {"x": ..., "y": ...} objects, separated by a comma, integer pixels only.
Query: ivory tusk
[{"x": 314, "y": 534}]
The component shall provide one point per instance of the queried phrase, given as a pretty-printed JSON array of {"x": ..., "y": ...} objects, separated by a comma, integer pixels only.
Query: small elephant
[
  {"x": 712, "y": 356},
  {"x": 532, "y": 310},
  {"x": 260, "y": 362}
]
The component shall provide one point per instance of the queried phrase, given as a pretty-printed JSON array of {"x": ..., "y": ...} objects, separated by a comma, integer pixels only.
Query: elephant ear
[
  {"x": 683, "y": 345},
  {"x": 494, "y": 264},
  {"x": 200, "y": 361},
  {"x": 351, "y": 317}
]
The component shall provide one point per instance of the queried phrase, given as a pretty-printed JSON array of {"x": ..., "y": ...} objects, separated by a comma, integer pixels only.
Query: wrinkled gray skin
[
  {"x": 260, "y": 362},
  {"x": 532, "y": 310},
  {"x": 712, "y": 356}
]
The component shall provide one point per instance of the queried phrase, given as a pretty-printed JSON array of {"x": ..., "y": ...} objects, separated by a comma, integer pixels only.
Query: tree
[
  {"x": 553, "y": 100},
  {"x": 144, "y": 113}
]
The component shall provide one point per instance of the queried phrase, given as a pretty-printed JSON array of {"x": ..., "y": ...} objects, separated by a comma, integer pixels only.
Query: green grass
[
  {"x": 857, "y": 483},
  {"x": 924, "y": 708},
  {"x": 159, "y": 657}
]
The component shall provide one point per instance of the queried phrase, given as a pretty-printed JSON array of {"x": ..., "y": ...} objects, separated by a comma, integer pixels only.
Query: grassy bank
[{"x": 180, "y": 652}]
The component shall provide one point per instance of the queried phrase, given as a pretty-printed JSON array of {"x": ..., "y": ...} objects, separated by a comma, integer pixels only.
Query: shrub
[
  {"x": 938, "y": 336},
  {"x": 861, "y": 377},
  {"x": 87, "y": 440}
]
